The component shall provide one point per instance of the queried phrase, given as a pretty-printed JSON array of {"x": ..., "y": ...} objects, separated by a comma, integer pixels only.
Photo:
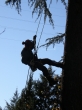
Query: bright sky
[{"x": 13, "y": 73}]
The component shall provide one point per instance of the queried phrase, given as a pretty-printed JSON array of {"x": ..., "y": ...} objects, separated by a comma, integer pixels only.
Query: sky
[{"x": 18, "y": 28}]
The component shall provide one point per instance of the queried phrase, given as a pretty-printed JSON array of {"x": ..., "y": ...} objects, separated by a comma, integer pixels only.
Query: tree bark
[{"x": 72, "y": 79}]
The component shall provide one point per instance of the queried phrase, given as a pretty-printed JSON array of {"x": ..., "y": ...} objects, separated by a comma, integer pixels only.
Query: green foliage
[
  {"x": 37, "y": 95},
  {"x": 26, "y": 100},
  {"x": 13, "y": 101},
  {"x": 16, "y": 3},
  {"x": 40, "y": 7},
  {"x": 64, "y": 3},
  {"x": 56, "y": 39}
]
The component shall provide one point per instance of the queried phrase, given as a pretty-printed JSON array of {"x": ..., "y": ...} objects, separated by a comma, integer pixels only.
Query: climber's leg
[
  {"x": 51, "y": 62},
  {"x": 45, "y": 73}
]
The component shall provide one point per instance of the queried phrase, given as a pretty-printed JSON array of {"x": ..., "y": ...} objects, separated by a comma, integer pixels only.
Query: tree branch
[
  {"x": 39, "y": 7},
  {"x": 3, "y": 31},
  {"x": 54, "y": 40}
]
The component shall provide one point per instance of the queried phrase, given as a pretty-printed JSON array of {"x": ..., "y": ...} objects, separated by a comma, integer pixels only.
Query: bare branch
[{"x": 3, "y": 31}]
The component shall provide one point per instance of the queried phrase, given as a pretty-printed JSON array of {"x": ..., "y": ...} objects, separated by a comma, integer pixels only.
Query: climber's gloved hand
[{"x": 34, "y": 37}]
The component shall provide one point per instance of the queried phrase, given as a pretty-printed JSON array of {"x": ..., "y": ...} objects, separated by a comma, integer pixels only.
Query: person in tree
[{"x": 30, "y": 59}]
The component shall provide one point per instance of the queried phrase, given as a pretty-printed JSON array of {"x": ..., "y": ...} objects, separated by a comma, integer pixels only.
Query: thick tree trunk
[{"x": 72, "y": 80}]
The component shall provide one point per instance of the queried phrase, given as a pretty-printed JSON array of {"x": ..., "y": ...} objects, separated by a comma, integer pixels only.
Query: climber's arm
[
  {"x": 34, "y": 41},
  {"x": 34, "y": 38}
]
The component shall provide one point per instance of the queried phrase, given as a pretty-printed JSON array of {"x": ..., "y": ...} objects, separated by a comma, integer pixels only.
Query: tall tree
[
  {"x": 27, "y": 97},
  {"x": 72, "y": 80}
]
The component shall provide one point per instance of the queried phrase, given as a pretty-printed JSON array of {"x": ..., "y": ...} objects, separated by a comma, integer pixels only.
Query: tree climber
[{"x": 30, "y": 59}]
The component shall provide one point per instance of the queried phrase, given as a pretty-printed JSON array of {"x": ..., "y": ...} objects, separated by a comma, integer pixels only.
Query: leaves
[
  {"x": 13, "y": 101},
  {"x": 16, "y": 3},
  {"x": 37, "y": 95},
  {"x": 63, "y": 1},
  {"x": 56, "y": 39},
  {"x": 39, "y": 6}
]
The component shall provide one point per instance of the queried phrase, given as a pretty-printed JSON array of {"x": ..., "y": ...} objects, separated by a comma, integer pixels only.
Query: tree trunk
[{"x": 72, "y": 79}]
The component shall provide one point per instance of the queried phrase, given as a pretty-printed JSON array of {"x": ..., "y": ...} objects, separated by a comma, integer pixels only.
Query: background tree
[
  {"x": 38, "y": 95},
  {"x": 13, "y": 101},
  {"x": 48, "y": 97},
  {"x": 0, "y": 108},
  {"x": 27, "y": 97}
]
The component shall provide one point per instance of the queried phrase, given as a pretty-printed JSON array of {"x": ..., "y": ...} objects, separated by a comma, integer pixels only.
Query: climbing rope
[
  {"x": 28, "y": 75},
  {"x": 37, "y": 32},
  {"x": 40, "y": 36},
  {"x": 36, "y": 49},
  {"x": 42, "y": 28},
  {"x": 38, "y": 24}
]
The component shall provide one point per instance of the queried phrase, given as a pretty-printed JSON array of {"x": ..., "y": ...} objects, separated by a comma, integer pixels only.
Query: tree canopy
[
  {"x": 40, "y": 7},
  {"x": 37, "y": 95}
]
